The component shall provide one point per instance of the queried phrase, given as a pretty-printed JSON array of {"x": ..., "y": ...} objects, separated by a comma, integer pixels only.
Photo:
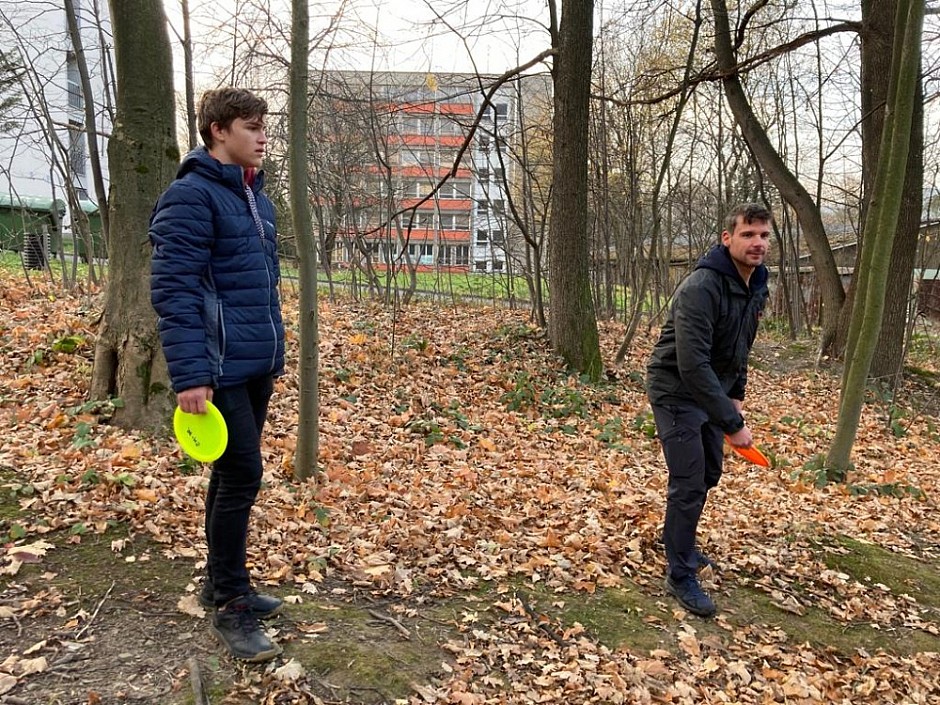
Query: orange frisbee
[{"x": 752, "y": 454}]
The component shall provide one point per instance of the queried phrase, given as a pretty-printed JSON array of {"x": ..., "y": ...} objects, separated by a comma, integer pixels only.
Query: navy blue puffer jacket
[{"x": 214, "y": 276}]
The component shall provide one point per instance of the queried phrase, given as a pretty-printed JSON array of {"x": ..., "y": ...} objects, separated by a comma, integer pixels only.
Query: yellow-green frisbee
[{"x": 202, "y": 437}]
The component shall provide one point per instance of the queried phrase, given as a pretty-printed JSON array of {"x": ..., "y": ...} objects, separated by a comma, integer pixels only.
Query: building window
[
  {"x": 497, "y": 265},
  {"x": 455, "y": 221},
  {"x": 419, "y": 220},
  {"x": 480, "y": 265},
  {"x": 499, "y": 174},
  {"x": 498, "y": 204},
  {"x": 449, "y": 126},
  {"x": 421, "y": 253},
  {"x": 455, "y": 189},
  {"x": 497, "y": 237},
  {"x": 77, "y": 156},
  {"x": 501, "y": 111},
  {"x": 456, "y": 255},
  {"x": 414, "y": 188},
  {"x": 414, "y": 125},
  {"x": 483, "y": 174},
  {"x": 74, "y": 81},
  {"x": 417, "y": 157},
  {"x": 482, "y": 237}
]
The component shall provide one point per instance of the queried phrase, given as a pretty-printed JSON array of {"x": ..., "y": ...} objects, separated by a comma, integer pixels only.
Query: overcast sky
[{"x": 494, "y": 35}]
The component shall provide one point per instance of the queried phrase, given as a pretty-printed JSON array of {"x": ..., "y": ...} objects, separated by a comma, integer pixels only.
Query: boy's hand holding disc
[{"x": 202, "y": 437}]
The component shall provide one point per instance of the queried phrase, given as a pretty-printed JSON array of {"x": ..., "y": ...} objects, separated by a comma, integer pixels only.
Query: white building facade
[{"x": 45, "y": 150}]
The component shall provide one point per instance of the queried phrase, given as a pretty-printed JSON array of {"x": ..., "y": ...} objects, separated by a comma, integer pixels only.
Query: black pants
[
  {"x": 234, "y": 484},
  {"x": 693, "y": 450}
]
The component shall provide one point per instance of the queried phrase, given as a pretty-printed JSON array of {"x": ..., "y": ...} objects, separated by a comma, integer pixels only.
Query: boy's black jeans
[
  {"x": 693, "y": 450},
  {"x": 234, "y": 484}
]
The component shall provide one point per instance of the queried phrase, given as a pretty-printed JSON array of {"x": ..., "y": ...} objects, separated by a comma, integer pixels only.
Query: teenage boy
[{"x": 214, "y": 285}]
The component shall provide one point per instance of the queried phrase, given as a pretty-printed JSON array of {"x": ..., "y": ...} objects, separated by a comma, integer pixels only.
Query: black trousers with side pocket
[
  {"x": 693, "y": 450},
  {"x": 234, "y": 485}
]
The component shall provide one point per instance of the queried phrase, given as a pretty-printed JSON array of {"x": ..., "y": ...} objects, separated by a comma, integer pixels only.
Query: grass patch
[
  {"x": 617, "y": 617},
  {"x": 488, "y": 286},
  {"x": 91, "y": 566},
  {"x": 641, "y": 620},
  {"x": 11, "y": 262},
  {"x": 870, "y": 564},
  {"x": 366, "y": 659},
  {"x": 749, "y": 606}
]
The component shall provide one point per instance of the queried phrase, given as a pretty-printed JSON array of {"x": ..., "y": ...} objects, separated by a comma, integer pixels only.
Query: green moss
[
  {"x": 90, "y": 567},
  {"x": 364, "y": 658},
  {"x": 747, "y": 606},
  {"x": 615, "y": 617},
  {"x": 870, "y": 564},
  {"x": 10, "y": 491}
]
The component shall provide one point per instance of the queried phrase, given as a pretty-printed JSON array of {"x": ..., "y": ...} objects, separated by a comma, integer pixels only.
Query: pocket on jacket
[{"x": 212, "y": 318}]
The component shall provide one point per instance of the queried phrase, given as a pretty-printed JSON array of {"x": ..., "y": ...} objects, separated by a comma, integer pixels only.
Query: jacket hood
[
  {"x": 201, "y": 162},
  {"x": 719, "y": 259}
]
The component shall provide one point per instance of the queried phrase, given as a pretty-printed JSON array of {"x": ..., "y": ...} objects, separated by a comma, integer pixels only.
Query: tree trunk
[
  {"x": 305, "y": 460},
  {"x": 91, "y": 130},
  {"x": 188, "y": 70},
  {"x": 832, "y": 295},
  {"x": 880, "y": 227},
  {"x": 144, "y": 157},
  {"x": 878, "y": 28},
  {"x": 572, "y": 324}
]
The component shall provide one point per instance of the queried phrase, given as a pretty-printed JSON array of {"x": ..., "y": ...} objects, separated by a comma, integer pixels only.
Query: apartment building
[
  {"x": 44, "y": 148},
  {"x": 435, "y": 173}
]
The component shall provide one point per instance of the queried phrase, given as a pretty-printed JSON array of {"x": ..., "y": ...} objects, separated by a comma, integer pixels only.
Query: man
[
  {"x": 696, "y": 378},
  {"x": 214, "y": 284}
]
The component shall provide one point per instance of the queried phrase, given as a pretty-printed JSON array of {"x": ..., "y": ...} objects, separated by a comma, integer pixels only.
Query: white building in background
[
  {"x": 425, "y": 122},
  {"x": 45, "y": 149}
]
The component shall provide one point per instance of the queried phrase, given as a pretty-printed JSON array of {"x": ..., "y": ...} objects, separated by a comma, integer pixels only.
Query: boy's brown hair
[{"x": 223, "y": 105}]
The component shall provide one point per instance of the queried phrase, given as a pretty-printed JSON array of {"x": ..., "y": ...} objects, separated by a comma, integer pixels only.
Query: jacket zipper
[{"x": 253, "y": 207}]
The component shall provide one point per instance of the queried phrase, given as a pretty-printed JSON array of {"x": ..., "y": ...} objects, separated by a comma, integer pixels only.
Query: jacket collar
[
  {"x": 201, "y": 162},
  {"x": 719, "y": 259}
]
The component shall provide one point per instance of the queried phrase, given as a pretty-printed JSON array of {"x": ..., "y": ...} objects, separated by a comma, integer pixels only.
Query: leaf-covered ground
[{"x": 462, "y": 468}]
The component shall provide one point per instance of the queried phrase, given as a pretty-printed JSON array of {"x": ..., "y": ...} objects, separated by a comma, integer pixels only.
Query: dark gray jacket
[{"x": 701, "y": 356}]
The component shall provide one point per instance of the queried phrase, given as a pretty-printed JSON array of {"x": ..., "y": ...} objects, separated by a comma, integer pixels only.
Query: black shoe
[
  {"x": 239, "y": 630},
  {"x": 704, "y": 561},
  {"x": 690, "y": 595},
  {"x": 263, "y": 606}
]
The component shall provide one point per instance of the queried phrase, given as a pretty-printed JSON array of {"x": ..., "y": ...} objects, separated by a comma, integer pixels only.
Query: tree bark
[
  {"x": 91, "y": 130},
  {"x": 188, "y": 70},
  {"x": 305, "y": 459},
  {"x": 878, "y": 29},
  {"x": 832, "y": 295},
  {"x": 144, "y": 157},
  {"x": 879, "y": 233},
  {"x": 572, "y": 324}
]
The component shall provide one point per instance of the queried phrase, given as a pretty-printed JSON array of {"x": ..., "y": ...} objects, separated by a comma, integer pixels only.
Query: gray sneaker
[{"x": 237, "y": 627}]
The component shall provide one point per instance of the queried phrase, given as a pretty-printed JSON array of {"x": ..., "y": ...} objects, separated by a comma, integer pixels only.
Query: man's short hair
[
  {"x": 223, "y": 106},
  {"x": 749, "y": 213}
]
